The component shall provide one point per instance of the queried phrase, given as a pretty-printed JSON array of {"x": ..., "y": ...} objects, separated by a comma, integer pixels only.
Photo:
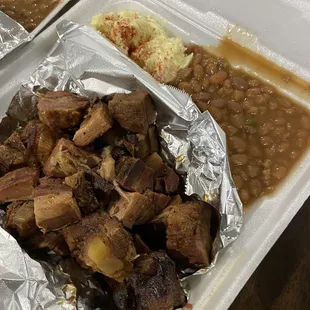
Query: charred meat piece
[
  {"x": 137, "y": 145},
  {"x": 188, "y": 232},
  {"x": 53, "y": 240},
  {"x": 153, "y": 285},
  {"x": 101, "y": 243},
  {"x": 83, "y": 192},
  {"x": 12, "y": 153},
  {"x": 40, "y": 140},
  {"x": 137, "y": 209},
  {"x": 96, "y": 123},
  {"x": 155, "y": 162},
  {"x": 18, "y": 184},
  {"x": 168, "y": 181},
  {"x": 66, "y": 159},
  {"x": 107, "y": 168},
  {"x": 134, "y": 175},
  {"x": 55, "y": 206},
  {"x": 134, "y": 112},
  {"x": 61, "y": 110},
  {"x": 20, "y": 220}
]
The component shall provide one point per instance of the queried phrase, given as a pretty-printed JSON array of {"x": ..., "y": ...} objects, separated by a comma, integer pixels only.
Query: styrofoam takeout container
[{"x": 279, "y": 37}]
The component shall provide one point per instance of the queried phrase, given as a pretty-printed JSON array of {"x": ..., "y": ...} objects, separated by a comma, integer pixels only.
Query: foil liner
[
  {"x": 12, "y": 35},
  {"x": 84, "y": 62}
]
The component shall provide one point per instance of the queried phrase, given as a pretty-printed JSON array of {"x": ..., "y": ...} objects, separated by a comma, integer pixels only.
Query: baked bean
[
  {"x": 184, "y": 73},
  {"x": 239, "y": 83},
  {"x": 266, "y": 141},
  {"x": 237, "y": 120},
  {"x": 239, "y": 159},
  {"x": 255, "y": 151},
  {"x": 198, "y": 72},
  {"x": 197, "y": 59},
  {"x": 302, "y": 134},
  {"x": 253, "y": 91},
  {"x": 223, "y": 63},
  {"x": 255, "y": 187},
  {"x": 254, "y": 83},
  {"x": 249, "y": 129},
  {"x": 244, "y": 195},
  {"x": 244, "y": 175},
  {"x": 268, "y": 89},
  {"x": 278, "y": 131},
  {"x": 294, "y": 154},
  {"x": 231, "y": 130},
  {"x": 202, "y": 105},
  {"x": 279, "y": 121},
  {"x": 212, "y": 89},
  {"x": 265, "y": 129},
  {"x": 284, "y": 102},
  {"x": 270, "y": 151},
  {"x": 196, "y": 86},
  {"x": 205, "y": 83},
  {"x": 216, "y": 113},
  {"x": 237, "y": 144},
  {"x": 227, "y": 83},
  {"x": 273, "y": 105},
  {"x": 238, "y": 95},
  {"x": 253, "y": 171},
  {"x": 262, "y": 110},
  {"x": 305, "y": 122},
  {"x": 218, "y": 77},
  {"x": 186, "y": 87},
  {"x": 234, "y": 107},
  {"x": 211, "y": 69},
  {"x": 283, "y": 147},
  {"x": 288, "y": 126},
  {"x": 289, "y": 111},
  {"x": 279, "y": 172},
  {"x": 238, "y": 181},
  {"x": 202, "y": 96},
  {"x": 260, "y": 99},
  {"x": 219, "y": 103},
  {"x": 300, "y": 142},
  {"x": 225, "y": 92}
]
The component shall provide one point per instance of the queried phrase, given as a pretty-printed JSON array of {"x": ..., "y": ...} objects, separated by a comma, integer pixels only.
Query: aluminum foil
[
  {"x": 12, "y": 35},
  {"x": 84, "y": 62}
]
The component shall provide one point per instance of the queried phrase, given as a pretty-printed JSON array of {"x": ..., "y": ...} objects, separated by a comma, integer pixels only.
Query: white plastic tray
[{"x": 280, "y": 25}]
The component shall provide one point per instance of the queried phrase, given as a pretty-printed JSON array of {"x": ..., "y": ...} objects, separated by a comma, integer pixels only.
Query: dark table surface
[{"x": 282, "y": 280}]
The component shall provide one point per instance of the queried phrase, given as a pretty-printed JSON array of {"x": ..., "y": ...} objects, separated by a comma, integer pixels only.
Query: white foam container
[{"x": 281, "y": 32}]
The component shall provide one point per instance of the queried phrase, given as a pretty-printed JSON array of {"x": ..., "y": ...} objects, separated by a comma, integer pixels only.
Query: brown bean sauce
[
  {"x": 29, "y": 13},
  {"x": 266, "y": 132}
]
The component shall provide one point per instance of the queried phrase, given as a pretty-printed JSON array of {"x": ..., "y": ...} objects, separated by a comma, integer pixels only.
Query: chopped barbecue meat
[
  {"x": 134, "y": 112},
  {"x": 188, "y": 232},
  {"x": 137, "y": 209},
  {"x": 61, "y": 110},
  {"x": 51, "y": 181},
  {"x": 107, "y": 168},
  {"x": 55, "y": 206},
  {"x": 40, "y": 140},
  {"x": 20, "y": 220},
  {"x": 12, "y": 153},
  {"x": 153, "y": 285},
  {"x": 101, "y": 243},
  {"x": 153, "y": 140},
  {"x": 168, "y": 181},
  {"x": 134, "y": 175},
  {"x": 96, "y": 123},
  {"x": 18, "y": 184},
  {"x": 137, "y": 145},
  {"x": 53, "y": 240},
  {"x": 83, "y": 192},
  {"x": 66, "y": 159},
  {"x": 155, "y": 162}
]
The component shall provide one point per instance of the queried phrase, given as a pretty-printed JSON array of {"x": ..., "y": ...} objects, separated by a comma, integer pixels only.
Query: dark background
[{"x": 282, "y": 280}]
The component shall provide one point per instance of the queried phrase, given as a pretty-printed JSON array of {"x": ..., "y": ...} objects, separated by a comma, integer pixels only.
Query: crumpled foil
[
  {"x": 12, "y": 35},
  {"x": 84, "y": 62}
]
